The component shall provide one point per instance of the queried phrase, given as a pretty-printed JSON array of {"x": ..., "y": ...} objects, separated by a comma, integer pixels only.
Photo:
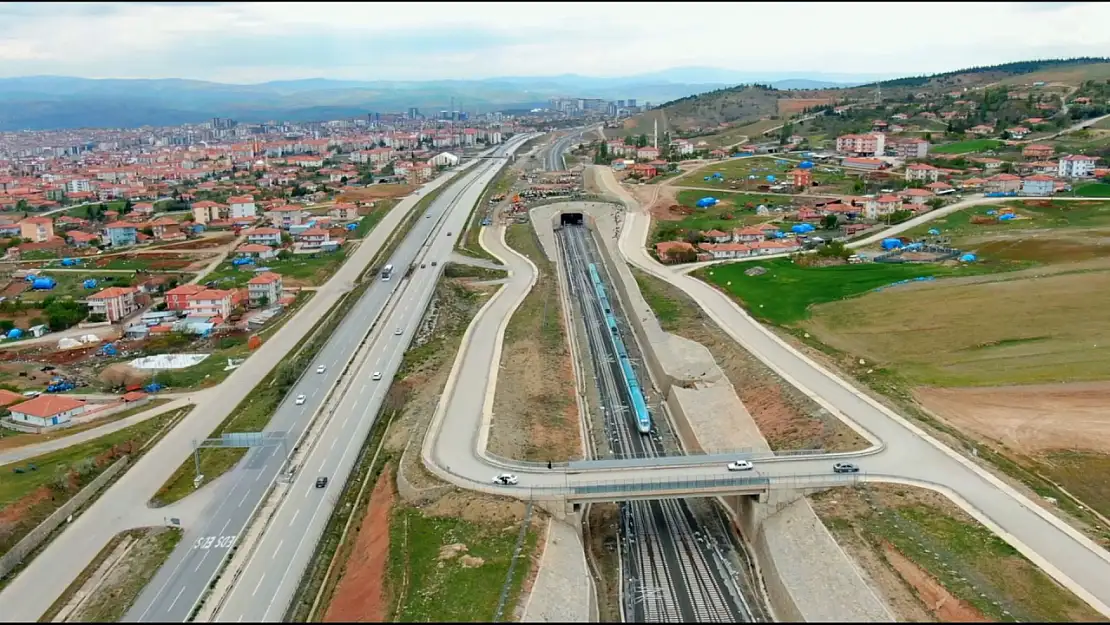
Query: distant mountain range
[{"x": 55, "y": 102}]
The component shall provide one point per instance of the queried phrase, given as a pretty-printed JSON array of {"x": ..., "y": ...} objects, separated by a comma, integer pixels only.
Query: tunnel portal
[{"x": 570, "y": 219}]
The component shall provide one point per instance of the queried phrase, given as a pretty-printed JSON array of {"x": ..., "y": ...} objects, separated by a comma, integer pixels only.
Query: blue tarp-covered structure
[
  {"x": 802, "y": 229},
  {"x": 934, "y": 232},
  {"x": 706, "y": 202},
  {"x": 43, "y": 284},
  {"x": 89, "y": 284},
  {"x": 806, "y": 165},
  {"x": 967, "y": 258},
  {"x": 891, "y": 244}
]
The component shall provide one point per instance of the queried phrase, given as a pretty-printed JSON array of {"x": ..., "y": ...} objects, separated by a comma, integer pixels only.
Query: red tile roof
[{"x": 47, "y": 405}]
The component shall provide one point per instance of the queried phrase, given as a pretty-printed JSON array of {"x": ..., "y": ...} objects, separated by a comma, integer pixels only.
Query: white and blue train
[{"x": 639, "y": 406}]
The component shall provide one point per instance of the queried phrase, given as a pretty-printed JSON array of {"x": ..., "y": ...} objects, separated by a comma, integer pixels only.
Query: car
[
  {"x": 740, "y": 465},
  {"x": 845, "y": 467},
  {"x": 448, "y": 234},
  {"x": 398, "y": 331},
  {"x": 376, "y": 376},
  {"x": 506, "y": 479},
  {"x": 434, "y": 263},
  {"x": 428, "y": 216},
  {"x": 321, "y": 481},
  {"x": 423, "y": 265},
  {"x": 321, "y": 369},
  {"x": 300, "y": 399}
]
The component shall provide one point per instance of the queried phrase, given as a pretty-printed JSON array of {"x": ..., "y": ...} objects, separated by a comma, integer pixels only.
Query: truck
[{"x": 387, "y": 273}]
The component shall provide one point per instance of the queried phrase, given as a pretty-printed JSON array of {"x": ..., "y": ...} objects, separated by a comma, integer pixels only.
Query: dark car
[
  {"x": 845, "y": 467},
  {"x": 321, "y": 482}
]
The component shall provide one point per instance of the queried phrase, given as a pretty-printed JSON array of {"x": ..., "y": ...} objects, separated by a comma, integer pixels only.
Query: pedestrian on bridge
[{"x": 549, "y": 464}]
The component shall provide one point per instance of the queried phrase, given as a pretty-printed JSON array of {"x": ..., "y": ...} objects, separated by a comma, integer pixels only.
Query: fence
[{"x": 10, "y": 560}]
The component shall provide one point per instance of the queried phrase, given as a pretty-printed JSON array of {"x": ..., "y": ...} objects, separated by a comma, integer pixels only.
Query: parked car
[
  {"x": 448, "y": 234},
  {"x": 433, "y": 263},
  {"x": 321, "y": 482},
  {"x": 506, "y": 479},
  {"x": 300, "y": 399},
  {"x": 740, "y": 465},
  {"x": 845, "y": 467}
]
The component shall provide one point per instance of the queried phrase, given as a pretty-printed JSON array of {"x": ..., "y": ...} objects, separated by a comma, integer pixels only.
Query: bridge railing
[
  {"x": 743, "y": 453},
  {"x": 695, "y": 483}
]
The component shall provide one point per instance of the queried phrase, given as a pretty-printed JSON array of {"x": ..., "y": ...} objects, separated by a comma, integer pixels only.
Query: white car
[
  {"x": 376, "y": 376},
  {"x": 300, "y": 399},
  {"x": 740, "y": 465},
  {"x": 398, "y": 331},
  {"x": 321, "y": 369},
  {"x": 505, "y": 479}
]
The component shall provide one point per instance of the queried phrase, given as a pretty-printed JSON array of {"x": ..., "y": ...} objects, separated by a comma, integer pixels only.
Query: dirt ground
[
  {"x": 359, "y": 597},
  {"x": 880, "y": 525},
  {"x": 121, "y": 584},
  {"x": 1028, "y": 419},
  {"x": 375, "y": 192},
  {"x": 202, "y": 243}
]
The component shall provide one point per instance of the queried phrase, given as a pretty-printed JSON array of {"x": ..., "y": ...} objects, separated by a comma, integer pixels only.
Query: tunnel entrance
[{"x": 570, "y": 219}]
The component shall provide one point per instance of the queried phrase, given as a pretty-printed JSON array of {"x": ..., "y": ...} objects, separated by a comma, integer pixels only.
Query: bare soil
[
  {"x": 202, "y": 243},
  {"x": 1028, "y": 419},
  {"x": 937, "y": 599},
  {"x": 375, "y": 192},
  {"x": 359, "y": 597}
]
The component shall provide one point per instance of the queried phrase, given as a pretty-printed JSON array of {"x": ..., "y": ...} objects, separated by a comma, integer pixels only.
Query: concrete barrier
[{"x": 10, "y": 560}]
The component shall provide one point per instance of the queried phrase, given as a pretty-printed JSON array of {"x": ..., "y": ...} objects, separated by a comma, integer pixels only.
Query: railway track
[{"x": 674, "y": 562}]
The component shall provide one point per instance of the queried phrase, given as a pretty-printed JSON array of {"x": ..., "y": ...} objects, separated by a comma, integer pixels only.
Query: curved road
[{"x": 456, "y": 448}]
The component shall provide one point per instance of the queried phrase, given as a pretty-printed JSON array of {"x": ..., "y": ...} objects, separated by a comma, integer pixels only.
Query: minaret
[{"x": 655, "y": 142}]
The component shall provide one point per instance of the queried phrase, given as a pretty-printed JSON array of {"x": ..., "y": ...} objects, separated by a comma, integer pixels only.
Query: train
[{"x": 639, "y": 405}]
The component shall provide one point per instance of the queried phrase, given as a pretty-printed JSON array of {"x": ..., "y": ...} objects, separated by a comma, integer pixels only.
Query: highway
[
  {"x": 124, "y": 504},
  {"x": 553, "y": 158},
  {"x": 455, "y": 448},
  {"x": 270, "y": 578},
  {"x": 179, "y": 585},
  {"x": 674, "y": 571}
]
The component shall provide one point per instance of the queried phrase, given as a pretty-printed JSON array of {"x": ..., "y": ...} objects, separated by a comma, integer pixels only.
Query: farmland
[
  {"x": 731, "y": 212},
  {"x": 736, "y": 174},
  {"x": 298, "y": 270},
  {"x": 1093, "y": 189},
  {"x": 964, "y": 147}
]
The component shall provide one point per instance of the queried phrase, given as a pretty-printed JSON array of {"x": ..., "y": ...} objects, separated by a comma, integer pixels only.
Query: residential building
[
  {"x": 37, "y": 229},
  {"x": 143, "y": 209},
  {"x": 204, "y": 212},
  {"x": 121, "y": 234},
  {"x": 1039, "y": 185},
  {"x": 910, "y": 148},
  {"x": 313, "y": 238},
  {"x": 264, "y": 236},
  {"x": 682, "y": 147},
  {"x": 285, "y": 217},
  {"x": 1076, "y": 166},
  {"x": 643, "y": 170},
  {"x": 647, "y": 153},
  {"x": 241, "y": 206},
  {"x": 921, "y": 171},
  {"x": 802, "y": 178},
  {"x": 255, "y": 250},
  {"x": 873, "y": 144},
  {"x": 264, "y": 289},
  {"x": 1003, "y": 183},
  {"x": 47, "y": 410},
  {"x": 669, "y": 250},
  {"x": 114, "y": 303},
  {"x": 178, "y": 298},
  {"x": 164, "y": 228},
  {"x": 343, "y": 211},
  {"x": 80, "y": 239},
  {"x": 917, "y": 196},
  {"x": 863, "y": 163},
  {"x": 211, "y": 303},
  {"x": 1038, "y": 151},
  {"x": 445, "y": 159},
  {"x": 716, "y": 236}
]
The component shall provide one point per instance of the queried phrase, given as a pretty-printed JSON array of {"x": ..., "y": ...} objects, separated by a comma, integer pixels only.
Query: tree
[
  {"x": 127, "y": 206},
  {"x": 641, "y": 141},
  {"x": 63, "y": 314},
  {"x": 830, "y": 222},
  {"x": 928, "y": 136},
  {"x": 785, "y": 132}
]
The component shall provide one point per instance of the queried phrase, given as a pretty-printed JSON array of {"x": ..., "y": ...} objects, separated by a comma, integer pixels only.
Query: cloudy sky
[{"x": 258, "y": 41}]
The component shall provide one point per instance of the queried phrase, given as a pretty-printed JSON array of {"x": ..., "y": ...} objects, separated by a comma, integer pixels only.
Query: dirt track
[{"x": 360, "y": 595}]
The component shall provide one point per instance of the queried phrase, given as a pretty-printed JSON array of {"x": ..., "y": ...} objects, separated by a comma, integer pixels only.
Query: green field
[
  {"x": 1093, "y": 189},
  {"x": 971, "y": 145},
  {"x": 71, "y": 283},
  {"x": 724, "y": 216},
  {"x": 736, "y": 172},
  {"x": 305, "y": 269},
  {"x": 1057, "y": 215},
  {"x": 784, "y": 294}
]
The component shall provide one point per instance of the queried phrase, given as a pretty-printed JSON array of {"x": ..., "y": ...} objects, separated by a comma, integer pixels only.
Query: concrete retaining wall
[{"x": 35, "y": 537}]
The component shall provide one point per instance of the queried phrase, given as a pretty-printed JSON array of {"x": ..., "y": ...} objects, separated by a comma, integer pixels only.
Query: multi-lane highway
[
  {"x": 179, "y": 585},
  {"x": 673, "y": 568},
  {"x": 554, "y": 158}
]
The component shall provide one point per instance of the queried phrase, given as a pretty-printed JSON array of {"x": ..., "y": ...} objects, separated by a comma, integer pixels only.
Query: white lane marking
[
  {"x": 307, "y": 492},
  {"x": 314, "y": 391},
  {"x": 175, "y": 599},
  {"x": 346, "y": 420},
  {"x": 360, "y": 391},
  {"x": 295, "y": 513},
  {"x": 259, "y": 584},
  {"x": 260, "y": 474},
  {"x": 333, "y": 442},
  {"x": 245, "y": 495},
  {"x": 278, "y": 548}
]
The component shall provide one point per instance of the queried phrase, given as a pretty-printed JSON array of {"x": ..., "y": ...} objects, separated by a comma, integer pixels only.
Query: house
[
  {"x": 178, "y": 298},
  {"x": 286, "y": 216},
  {"x": 204, "y": 212},
  {"x": 1039, "y": 185},
  {"x": 255, "y": 250},
  {"x": 264, "y": 289},
  {"x": 643, "y": 170},
  {"x": 114, "y": 303},
  {"x": 972, "y": 184},
  {"x": 241, "y": 206},
  {"x": 717, "y": 236},
  {"x": 1003, "y": 183},
  {"x": 343, "y": 211},
  {"x": 721, "y": 251},
  {"x": 674, "y": 251},
  {"x": 863, "y": 163},
  {"x": 923, "y": 172},
  {"x": 211, "y": 303},
  {"x": 37, "y": 229},
  {"x": 80, "y": 239},
  {"x": 121, "y": 234},
  {"x": 647, "y": 153},
  {"x": 1076, "y": 166},
  {"x": 873, "y": 144},
  {"x": 802, "y": 178},
  {"x": 917, "y": 196},
  {"x": 1038, "y": 151},
  {"x": 264, "y": 236},
  {"x": 313, "y": 238},
  {"x": 910, "y": 148},
  {"x": 981, "y": 130},
  {"x": 940, "y": 187},
  {"x": 164, "y": 228},
  {"x": 143, "y": 209},
  {"x": 47, "y": 410}
]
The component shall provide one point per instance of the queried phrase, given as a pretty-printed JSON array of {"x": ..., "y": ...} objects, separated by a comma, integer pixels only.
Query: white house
[
  {"x": 445, "y": 159},
  {"x": 1076, "y": 166},
  {"x": 265, "y": 288},
  {"x": 241, "y": 206},
  {"x": 47, "y": 410}
]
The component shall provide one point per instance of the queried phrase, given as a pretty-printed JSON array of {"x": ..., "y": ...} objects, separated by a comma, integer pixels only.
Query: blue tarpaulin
[
  {"x": 89, "y": 284},
  {"x": 806, "y": 165},
  {"x": 967, "y": 258},
  {"x": 934, "y": 231},
  {"x": 802, "y": 229},
  {"x": 15, "y": 333},
  {"x": 43, "y": 284},
  {"x": 706, "y": 202},
  {"x": 891, "y": 244}
]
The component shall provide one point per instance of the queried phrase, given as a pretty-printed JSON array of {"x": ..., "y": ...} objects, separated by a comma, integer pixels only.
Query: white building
[
  {"x": 79, "y": 185},
  {"x": 1076, "y": 166},
  {"x": 445, "y": 159},
  {"x": 264, "y": 288},
  {"x": 47, "y": 410},
  {"x": 241, "y": 207}
]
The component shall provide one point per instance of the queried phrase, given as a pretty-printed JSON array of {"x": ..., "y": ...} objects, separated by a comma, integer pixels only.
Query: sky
[{"x": 247, "y": 42}]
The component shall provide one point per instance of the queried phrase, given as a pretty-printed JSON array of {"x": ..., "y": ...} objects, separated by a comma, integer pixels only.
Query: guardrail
[{"x": 637, "y": 487}]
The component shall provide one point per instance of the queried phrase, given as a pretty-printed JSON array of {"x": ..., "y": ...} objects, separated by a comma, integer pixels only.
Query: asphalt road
[
  {"x": 455, "y": 449},
  {"x": 553, "y": 160},
  {"x": 124, "y": 504},
  {"x": 269, "y": 580},
  {"x": 179, "y": 585}
]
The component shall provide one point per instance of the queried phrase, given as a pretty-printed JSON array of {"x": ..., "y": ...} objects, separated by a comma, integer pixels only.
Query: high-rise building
[
  {"x": 632, "y": 103},
  {"x": 414, "y": 112}
]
